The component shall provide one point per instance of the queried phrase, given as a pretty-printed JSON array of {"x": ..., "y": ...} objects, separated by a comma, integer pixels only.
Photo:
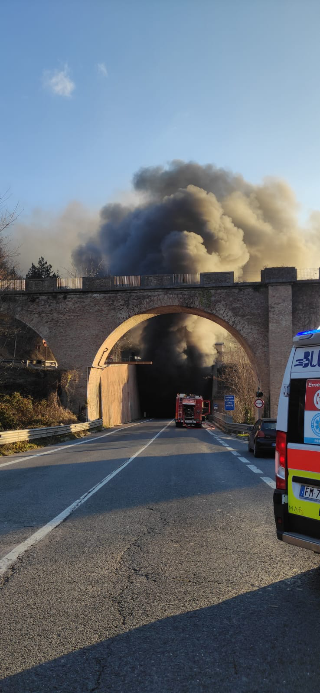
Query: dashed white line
[
  {"x": 268, "y": 481},
  {"x": 19, "y": 550},
  {"x": 255, "y": 469}
]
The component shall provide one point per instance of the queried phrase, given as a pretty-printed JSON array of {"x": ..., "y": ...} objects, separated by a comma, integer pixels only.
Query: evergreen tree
[{"x": 41, "y": 271}]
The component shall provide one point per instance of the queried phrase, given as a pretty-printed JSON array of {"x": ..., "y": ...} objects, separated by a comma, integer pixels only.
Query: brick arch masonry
[{"x": 80, "y": 323}]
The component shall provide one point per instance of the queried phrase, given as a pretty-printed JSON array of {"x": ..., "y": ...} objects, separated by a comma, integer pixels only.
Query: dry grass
[
  {"x": 18, "y": 412},
  {"x": 25, "y": 445}
]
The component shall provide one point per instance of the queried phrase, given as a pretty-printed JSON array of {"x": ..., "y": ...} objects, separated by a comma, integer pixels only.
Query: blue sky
[{"x": 229, "y": 82}]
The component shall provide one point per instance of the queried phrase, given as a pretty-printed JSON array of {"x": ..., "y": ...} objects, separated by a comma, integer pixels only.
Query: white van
[{"x": 297, "y": 494}]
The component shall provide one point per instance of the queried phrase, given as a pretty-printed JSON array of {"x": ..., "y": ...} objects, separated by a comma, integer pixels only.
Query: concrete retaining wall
[{"x": 119, "y": 395}]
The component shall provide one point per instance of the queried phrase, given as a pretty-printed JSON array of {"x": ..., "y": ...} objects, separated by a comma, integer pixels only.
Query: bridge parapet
[
  {"x": 273, "y": 275},
  {"x": 49, "y": 284},
  {"x": 155, "y": 280},
  {"x": 216, "y": 278},
  {"x": 269, "y": 275}
]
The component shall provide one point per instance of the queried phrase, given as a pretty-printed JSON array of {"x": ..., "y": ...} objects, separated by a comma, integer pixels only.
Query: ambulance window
[{"x": 296, "y": 411}]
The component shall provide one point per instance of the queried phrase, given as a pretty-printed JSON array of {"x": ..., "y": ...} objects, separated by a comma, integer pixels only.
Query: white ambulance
[{"x": 297, "y": 494}]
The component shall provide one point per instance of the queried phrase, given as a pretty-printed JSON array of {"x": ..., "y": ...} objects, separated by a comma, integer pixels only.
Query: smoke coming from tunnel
[
  {"x": 181, "y": 347},
  {"x": 190, "y": 219}
]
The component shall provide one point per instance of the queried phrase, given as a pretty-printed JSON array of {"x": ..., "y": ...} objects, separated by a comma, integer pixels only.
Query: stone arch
[
  {"x": 94, "y": 373},
  {"x": 20, "y": 326}
]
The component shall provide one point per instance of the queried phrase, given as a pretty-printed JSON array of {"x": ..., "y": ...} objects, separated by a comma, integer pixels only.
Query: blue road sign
[{"x": 229, "y": 402}]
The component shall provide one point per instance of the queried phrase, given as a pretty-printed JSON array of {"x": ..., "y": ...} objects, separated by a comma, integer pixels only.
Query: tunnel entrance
[
  {"x": 181, "y": 350},
  {"x": 181, "y": 345}
]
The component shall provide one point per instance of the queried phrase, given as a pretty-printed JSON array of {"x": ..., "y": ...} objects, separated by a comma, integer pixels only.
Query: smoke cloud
[
  {"x": 191, "y": 219},
  {"x": 53, "y": 236},
  {"x": 196, "y": 218},
  {"x": 181, "y": 348}
]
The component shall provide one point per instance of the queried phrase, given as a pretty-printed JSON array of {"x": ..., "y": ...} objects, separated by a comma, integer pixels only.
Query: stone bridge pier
[{"x": 82, "y": 324}]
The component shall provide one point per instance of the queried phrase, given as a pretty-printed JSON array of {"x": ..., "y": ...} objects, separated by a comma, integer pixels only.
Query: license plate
[{"x": 310, "y": 492}]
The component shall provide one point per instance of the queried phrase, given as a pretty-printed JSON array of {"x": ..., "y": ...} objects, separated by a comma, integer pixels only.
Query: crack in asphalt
[
  {"x": 96, "y": 685},
  {"x": 134, "y": 571}
]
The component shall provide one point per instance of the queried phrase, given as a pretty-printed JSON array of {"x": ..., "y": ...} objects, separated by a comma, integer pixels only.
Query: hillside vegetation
[{"x": 18, "y": 412}]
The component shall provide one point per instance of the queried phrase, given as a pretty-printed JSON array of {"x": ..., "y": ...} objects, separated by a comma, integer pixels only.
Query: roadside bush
[{"x": 21, "y": 412}]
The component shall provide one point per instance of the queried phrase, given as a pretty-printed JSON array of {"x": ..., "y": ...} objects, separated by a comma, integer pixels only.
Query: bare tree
[
  {"x": 7, "y": 255},
  {"x": 7, "y": 217},
  {"x": 240, "y": 379}
]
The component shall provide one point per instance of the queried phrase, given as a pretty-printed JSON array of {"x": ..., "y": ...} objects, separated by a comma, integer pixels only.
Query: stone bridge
[{"x": 82, "y": 319}]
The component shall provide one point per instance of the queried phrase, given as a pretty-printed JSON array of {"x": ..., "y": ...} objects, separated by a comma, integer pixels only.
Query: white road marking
[
  {"x": 266, "y": 479},
  {"x": 269, "y": 481},
  {"x": 11, "y": 557},
  {"x": 215, "y": 436},
  {"x": 255, "y": 469},
  {"x": 64, "y": 447},
  {"x": 225, "y": 445}
]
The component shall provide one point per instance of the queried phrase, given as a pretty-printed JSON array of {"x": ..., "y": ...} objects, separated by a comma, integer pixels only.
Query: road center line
[
  {"x": 7, "y": 561},
  {"x": 255, "y": 469},
  {"x": 268, "y": 481},
  {"x": 63, "y": 447}
]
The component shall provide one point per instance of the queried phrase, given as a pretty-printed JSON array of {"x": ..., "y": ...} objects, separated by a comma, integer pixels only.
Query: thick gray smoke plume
[
  {"x": 190, "y": 219},
  {"x": 198, "y": 219}
]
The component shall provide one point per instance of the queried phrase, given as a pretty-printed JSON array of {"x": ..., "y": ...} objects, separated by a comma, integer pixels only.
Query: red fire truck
[{"x": 191, "y": 410}]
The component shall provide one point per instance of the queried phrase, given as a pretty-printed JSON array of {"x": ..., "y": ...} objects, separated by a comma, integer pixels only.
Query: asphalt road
[{"x": 168, "y": 578}]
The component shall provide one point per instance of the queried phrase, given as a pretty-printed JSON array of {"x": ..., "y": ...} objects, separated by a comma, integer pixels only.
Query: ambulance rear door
[{"x": 303, "y": 440}]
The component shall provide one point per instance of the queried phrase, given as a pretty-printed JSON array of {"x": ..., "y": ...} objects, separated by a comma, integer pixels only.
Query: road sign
[
  {"x": 259, "y": 403},
  {"x": 229, "y": 402}
]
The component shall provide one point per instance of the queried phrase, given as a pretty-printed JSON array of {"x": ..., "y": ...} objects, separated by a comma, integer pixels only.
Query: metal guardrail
[
  {"x": 35, "y": 433},
  {"x": 231, "y": 427}
]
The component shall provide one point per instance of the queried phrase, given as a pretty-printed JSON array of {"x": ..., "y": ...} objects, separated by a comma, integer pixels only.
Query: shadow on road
[
  {"x": 263, "y": 641},
  {"x": 177, "y": 477}
]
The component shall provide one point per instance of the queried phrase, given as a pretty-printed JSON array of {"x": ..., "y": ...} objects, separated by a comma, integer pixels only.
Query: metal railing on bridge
[
  {"x": 12, "y": 284},
  {"x": 206, "y": 279},
  {"x": 69, "y": 283}
]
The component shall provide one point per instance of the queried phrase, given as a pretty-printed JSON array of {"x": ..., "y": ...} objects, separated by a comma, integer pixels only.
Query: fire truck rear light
[{"x": 281, "y": 460}]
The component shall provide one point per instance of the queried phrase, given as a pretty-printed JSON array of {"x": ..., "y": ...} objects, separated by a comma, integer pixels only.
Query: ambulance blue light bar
[
  {"x": 307, "y": 337},
  {"x": 299, "y": 334}
]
